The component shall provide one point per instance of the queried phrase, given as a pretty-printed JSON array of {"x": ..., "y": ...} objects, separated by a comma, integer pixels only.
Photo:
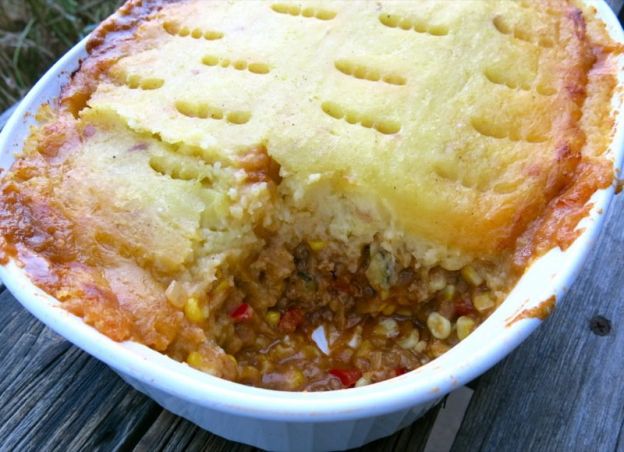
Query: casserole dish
[{"x": 334, "y": 420}]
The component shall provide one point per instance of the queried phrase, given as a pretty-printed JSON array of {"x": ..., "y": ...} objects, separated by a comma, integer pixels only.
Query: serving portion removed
[{"x": 311, "y": 196}]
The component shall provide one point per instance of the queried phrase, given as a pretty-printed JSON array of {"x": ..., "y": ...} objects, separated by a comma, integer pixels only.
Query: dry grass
[{"x": 35, "y": 33}]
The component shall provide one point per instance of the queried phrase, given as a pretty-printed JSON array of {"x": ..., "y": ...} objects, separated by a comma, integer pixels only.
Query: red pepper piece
[
  {"x": 399, "y": 371},
  {"x": 347, "y": 377},
  {"x": 342, "y": 285},
  {"x": 464, "y": 306},
  {"x": 241, "y": 313},
  {"x": 291, "y": 320}
]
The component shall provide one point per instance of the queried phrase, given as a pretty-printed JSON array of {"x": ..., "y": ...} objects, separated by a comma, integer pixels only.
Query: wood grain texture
[
  {"x": 54, "y": 396},
  {"x": 563, "y": 389},
  {"x": 170, "y": 433},
  {"x": 616, "y": 5}
]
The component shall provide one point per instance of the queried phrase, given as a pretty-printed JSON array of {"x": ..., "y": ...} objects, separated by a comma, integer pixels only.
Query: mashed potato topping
[{"x": 311, "y": 195}]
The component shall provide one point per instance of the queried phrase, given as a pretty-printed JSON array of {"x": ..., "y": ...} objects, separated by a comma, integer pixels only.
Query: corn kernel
[
  {"x": 437, "y": 348},
  {"x": 364, "y": 349},
  {"x": 482, "y": 301},
  {"x": 410, "y": 341},
  {"x": 471, "y": 276},
  {"x": 439, "y": 325},
  {"x": 316, "y": 245},
  {"x": 265, "y": 366},
  {"x": 388, "y": 309},
  {"x": 193, "y": 311},
  {"x": 363, "y": 381},
  {"x": 273, "y": 318},
  {"x": 232, "y": 359},
  {"x": 387, "y": 328},
  {"x": 219, "y": 293},
  {"x": 222, "y": 286},
  {"x": 296, "y": 379},
  {"x": 465, "y": 325},
  {"x": 249, "y": 373},
  {"x": 437, "y": 281},
  {"x": 194, "y": 359},
  {"x": 448, "y": 293}
]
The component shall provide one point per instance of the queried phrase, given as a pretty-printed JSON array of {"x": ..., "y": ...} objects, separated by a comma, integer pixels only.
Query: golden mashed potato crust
[
  {"x": 396, "y": 156},
  {"x": 481, "y": 143}
]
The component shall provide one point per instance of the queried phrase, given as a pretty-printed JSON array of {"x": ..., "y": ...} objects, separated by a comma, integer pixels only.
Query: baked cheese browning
[{"x": 307, "y": 196}]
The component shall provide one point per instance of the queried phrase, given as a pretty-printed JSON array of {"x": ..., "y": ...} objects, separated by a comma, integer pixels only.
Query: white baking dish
[{"x": 306, "y": 421}]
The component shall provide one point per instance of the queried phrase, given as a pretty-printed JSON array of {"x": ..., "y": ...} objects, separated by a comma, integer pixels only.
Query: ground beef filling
[{"x": 301, "y": 320}]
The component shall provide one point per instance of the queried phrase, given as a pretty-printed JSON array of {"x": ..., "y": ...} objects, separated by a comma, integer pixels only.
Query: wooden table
[{"x": 562, "y": 389}]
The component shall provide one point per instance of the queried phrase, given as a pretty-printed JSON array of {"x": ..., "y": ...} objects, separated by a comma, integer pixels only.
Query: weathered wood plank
[
  {"x": 54, "y": 396},
  {"x": 563, "y": 389},
  {"x": 170, "y": 433},
  {"x": 616, "y": 5}
]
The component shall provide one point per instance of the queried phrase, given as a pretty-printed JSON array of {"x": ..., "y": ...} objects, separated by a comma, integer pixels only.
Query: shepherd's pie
[{"x": 311, "y": 195}]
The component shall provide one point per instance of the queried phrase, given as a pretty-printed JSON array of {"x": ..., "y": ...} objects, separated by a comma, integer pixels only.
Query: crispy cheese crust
[{"x": 408, "y": 147}]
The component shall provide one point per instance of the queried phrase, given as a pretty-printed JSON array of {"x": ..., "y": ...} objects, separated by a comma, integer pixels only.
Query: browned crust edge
[
  {"x": 583, "y": 173},
  {"x": 107, "y": 44}
]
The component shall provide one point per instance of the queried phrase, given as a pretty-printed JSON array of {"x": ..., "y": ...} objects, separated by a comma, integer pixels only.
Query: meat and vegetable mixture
[
  {"x": 331, "y": 328},
  {"x": 308, "y": 196}
]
